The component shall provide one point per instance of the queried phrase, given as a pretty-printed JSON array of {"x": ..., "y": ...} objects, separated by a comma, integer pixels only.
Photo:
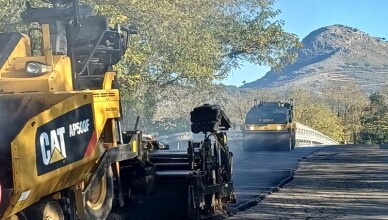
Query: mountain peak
[
  {"x": 334, "y": 38},
  {"x": 335, "y": 52}
]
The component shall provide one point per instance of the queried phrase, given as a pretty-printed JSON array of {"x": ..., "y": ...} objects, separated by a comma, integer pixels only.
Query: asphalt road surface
[
  {"x": 338, "y": 182},
  {"x": 257, "y": 173}
]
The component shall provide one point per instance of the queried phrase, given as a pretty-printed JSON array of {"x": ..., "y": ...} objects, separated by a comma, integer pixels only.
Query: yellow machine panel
[
  {"x": 59, "y": 144},
  {"x": 54, "y": 81}
]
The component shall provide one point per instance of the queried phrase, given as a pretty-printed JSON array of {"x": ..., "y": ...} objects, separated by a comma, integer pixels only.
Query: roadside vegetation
[{"x": 375, "y": 120}]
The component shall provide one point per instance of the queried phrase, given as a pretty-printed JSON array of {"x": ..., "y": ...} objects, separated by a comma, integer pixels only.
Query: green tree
[
  {"x": 312, "y": 111},
  {"x": 348, "y": 101},
  {"x": 375, "y": 120},
  {"x": 189, "y": 42},
  {"x": 238, "y": 103}
]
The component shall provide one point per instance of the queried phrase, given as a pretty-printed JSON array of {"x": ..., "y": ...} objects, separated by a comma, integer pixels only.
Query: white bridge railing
[
  {"x": 308, "y": 136},
  {"x": 304, "y": 136}
]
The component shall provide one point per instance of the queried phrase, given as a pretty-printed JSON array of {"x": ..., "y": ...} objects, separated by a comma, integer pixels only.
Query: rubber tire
[
  {"x": 231, "y": 163},
  {"x": 36, "y": 210},
  {"x": 104, "y": 211}
]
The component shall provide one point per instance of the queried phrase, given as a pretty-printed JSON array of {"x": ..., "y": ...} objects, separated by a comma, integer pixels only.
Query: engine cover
[{"x": 208, "y": 118}]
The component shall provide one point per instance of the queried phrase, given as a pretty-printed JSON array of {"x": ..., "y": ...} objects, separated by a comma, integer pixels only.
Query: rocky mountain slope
[{"x": 338, "y": 53}]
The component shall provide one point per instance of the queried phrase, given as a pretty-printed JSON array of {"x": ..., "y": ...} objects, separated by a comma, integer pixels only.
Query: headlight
[
  {"x": 251, "y": 127},
  {"x": 279, "y": 127},
  {"x": 37, "y": 69}
]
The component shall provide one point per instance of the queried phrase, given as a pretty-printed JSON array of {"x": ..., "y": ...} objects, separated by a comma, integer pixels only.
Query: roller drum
[{"x": 267, "y": 141}]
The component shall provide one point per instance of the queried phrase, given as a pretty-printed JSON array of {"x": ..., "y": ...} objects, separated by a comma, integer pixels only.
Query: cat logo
[
  {"x": 65, "y": 140},
  {"x": 53, "y": 146}
]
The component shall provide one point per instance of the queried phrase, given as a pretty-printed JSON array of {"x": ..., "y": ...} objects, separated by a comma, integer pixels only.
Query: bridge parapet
[
  {"x": 308, "y": 136},
  {"x": 304, "y": 136}
]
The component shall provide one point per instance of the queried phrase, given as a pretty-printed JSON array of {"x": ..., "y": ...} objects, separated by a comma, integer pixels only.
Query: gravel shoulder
[{"x": 339, "y": 182}]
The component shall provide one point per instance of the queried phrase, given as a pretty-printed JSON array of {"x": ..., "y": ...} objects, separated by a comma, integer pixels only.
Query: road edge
[{"x": 261, "y": 197}]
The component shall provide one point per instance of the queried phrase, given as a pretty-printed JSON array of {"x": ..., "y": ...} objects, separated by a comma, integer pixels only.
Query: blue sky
[{"x": 304, "y": 16}]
